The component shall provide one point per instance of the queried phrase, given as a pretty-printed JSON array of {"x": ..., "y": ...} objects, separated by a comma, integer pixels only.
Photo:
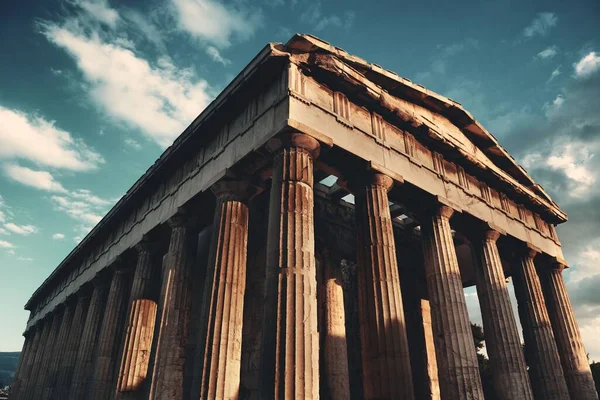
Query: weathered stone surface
[
  {"x": 290, "y": 349},
  {"x": 139, "y": 331},
  {"x": 48, "y": 352},
  {"x": 25, "y": 352},
  {"x": 574, "y": 360},
  {"x": 507, "y": 361},
  {"x": 66, "y": 369},
  {"x": 385, "y": 354},
  {"x": 254, "y": 300},
  {"x": 20, "y": 386},
  {"x": 105, "y": 372},
  {"x": 58, "y": 355},
  {"x": 29, "y": 386},
  {"x": 84, "y": 363},
  {"x": 223, "y": 302},
  {"x": 335, "y": 382},
  {"x": 547, "y": 379},
  {"x": 458, "y": 370},
  {"x": 175, "y": 312}
]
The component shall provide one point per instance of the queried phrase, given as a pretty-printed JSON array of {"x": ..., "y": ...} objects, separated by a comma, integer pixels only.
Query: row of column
[{"x": 74, "y": 352}]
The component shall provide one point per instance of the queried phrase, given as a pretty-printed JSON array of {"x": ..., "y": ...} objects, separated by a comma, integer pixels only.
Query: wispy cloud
[
  {"x": 541, "y": 25},
  {"x": 35, "y": 139},
  {"x": 215, "y": 23},
  {"x": 547, "y": 53},
  {"x": 58, "y": 236},
  {"x": 6, "y": 245},
  {"x": 554, "y": 74},
  {"x": 42, "y": 180},
  {"x": 100, "y": 10},
  {"x": 158, "y": 98},
  {"x": 134, "y": 144},
  {"x": 587, "y": 66},
  {"x": 320, "y": 21},
  {"x": 214, "y": 53},
  {"x": 24, "y": 230}
]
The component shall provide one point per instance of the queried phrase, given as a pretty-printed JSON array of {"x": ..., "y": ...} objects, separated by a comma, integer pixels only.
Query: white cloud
[
  {"x": 541, "y": 24},
  {"x": 37, "y": 179},
  {"x": 552, "y": 108},
  {"x": 24, "y": 258},
  {"x": 6, "y": 245},
  {"x": 4, "y": 232},
  {"x": 319, "y": 21},
  {"x": 38, "y": 140},
  {"x": 214, "y": 53},
  {"x": 58, "y": 236},
  {"x": 159, "y": 99},
  {"x": 133, "y": 144},
  {"x": 572, "y": 160},
  {"x": 89, "y": 197},
  {"x": 216, "y": 23},
  {"x": 547, "y": 53},
  {"x": 11, "y": 252},
  {"x": 100, "y": 10},
  {"x": 79, "y": 210},
  {"x": 24, "y": 230},
  {"x": 587, "y": 65},
  {"x": 554, "y": 74}
]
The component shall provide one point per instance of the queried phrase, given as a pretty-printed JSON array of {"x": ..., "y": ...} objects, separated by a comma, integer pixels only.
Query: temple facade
[{"x": 310, "y": 235}]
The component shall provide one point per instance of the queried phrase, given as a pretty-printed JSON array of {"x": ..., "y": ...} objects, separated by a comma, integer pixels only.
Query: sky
[{"x": 92, "y": 91}]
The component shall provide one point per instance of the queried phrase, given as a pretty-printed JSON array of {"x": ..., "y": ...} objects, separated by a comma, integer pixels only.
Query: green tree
[{"x": 484, "y": 365}]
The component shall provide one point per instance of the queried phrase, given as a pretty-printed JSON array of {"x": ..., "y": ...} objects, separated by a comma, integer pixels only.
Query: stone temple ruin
[{"x": 310, "y": 235}]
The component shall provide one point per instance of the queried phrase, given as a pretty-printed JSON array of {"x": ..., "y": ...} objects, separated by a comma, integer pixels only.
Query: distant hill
[{"x": 8, "y": 365}]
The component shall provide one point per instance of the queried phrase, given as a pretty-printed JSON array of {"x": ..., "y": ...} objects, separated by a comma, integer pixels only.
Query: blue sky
[{"x": 92, "y": 91}]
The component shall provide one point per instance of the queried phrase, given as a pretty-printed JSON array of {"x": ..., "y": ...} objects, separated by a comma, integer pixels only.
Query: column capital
[
  {"x": 373, "y": 179},
  {"x": 558, "y": 264},
  {"x": 294, "y": 139},
  {"x": 241, "y": 190},
  {"x": 530, "y": 251},
  {"x": 182, "y": 218},
  {"x": 145, "y": 245}
]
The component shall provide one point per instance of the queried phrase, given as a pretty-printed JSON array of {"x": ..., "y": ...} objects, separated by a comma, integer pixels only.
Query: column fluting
[
  {"x": 547, "y": 379},
  {"x": 84, "y": 363},
  {"x": 50, "y": 385},
  {"x": 103, "y": 379},
  {"x": 336, "y": 384},
  {"x": 29, "y": 389},
  {"x": 290, "y": 349},
  {"x": 224, "y": 288},
  {"x": 175, "y": 297},
  {"x": 385, "y": 355},
  {"x": 66, "y": 369},
  {"x": 18, "y": 390},
  {"x": 507, "y": 361},
  {"x": 46, "y": 360},
  {"x": 458, "y": 370},
  {"x": 141, "y": 319},
  {"x": 576, "y": 368},
  {"x": 29, "y": 336}
]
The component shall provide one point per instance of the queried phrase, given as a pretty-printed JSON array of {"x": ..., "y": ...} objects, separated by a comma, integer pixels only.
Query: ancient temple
[{"x": 310, "y": 235}]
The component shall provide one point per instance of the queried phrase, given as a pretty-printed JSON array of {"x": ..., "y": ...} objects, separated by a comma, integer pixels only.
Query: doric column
[
  {"x": 547, "y": 379},
  {"x": 290, "y": 350},
  {"x": 176, "y": 306},
  {"x": 224, "y": 288},
  {"x": 458, "y": 370},
  {"x": 32, "y": 338},
  {"x": 66, "y": 368},
  {"x": 385, "y": 356},
  {"x": 84, "y": 363},
  {"x": 103, "y": 379},
  {"x": 336, "y": 384},
  {"x": 44, "y": 368},
  {"x": 29, "y": 388},
  {"x": 59, "y": 349},
  {"x": 574, "y": 360},
  {"x": 141, "y": 319},
  {"x": 507, "y": 362}
]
